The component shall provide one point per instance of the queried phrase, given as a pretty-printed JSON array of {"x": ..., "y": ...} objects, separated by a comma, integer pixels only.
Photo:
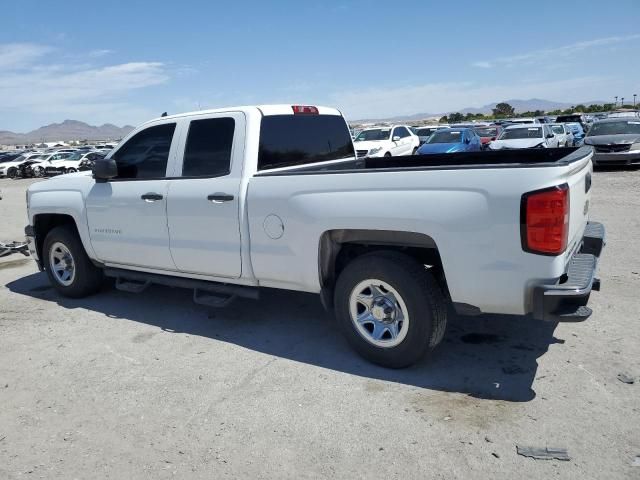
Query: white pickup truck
[{"x": 228, "y": 201}]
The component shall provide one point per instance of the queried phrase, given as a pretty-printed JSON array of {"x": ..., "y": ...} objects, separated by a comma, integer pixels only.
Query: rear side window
[
  {"x": 145, "y": 155},
  {"x": 208, "y": 150},
  {"x": 288, "y": 140}
]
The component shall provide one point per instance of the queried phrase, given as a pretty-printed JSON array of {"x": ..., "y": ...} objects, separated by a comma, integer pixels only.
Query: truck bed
[{"x": 524, "y": 158}]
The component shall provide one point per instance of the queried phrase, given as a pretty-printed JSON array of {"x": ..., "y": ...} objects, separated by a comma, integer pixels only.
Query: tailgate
[{"x": 579, "y": 181}]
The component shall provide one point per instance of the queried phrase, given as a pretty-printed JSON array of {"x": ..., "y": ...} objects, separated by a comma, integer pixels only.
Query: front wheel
[
  {"x": 38, "y": 172},
  {"x": 390, "y": 308},
  {"x": 68, "y": 267},
  {"x": 71, "y": 170},
  {"x": 387, "y": 155},
  {"x": 415, "y": 150},
  {"x": 12, "y": 172}
]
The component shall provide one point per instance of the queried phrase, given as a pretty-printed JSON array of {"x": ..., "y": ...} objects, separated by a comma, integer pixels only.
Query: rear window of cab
[{"x": 293, "y": 140}]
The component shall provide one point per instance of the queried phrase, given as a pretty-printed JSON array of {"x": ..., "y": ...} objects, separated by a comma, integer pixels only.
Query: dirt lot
[{"x": 152, "y": 386}]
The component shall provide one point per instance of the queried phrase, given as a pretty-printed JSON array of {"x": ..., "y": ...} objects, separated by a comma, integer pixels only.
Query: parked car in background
[
  {"x": 48, "y": 160},
  {"x": 525, "y": 136},
  {"x": 488, "y": 134},
  {"x": 74, "y": 163},
  {"x": 573, "y": 118},
  {"x": 577, "y": 132},
  {"x": 386, "y": 142},
  {"x": 451, "y": 140},
  {"x": 616, "y": 141},
  {"x": 425, "y": 132},
  {"x": 11, "y": 168},
  {"x": 564, "y": 134}
]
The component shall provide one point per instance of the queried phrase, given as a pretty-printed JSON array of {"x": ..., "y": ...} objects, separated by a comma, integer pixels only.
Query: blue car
[
  {"x": 578, "y": 134},
  {"x": 451, "y": 140}
]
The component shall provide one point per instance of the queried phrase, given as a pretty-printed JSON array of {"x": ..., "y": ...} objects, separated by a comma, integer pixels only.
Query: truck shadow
[{"x": 487, "y": 357}]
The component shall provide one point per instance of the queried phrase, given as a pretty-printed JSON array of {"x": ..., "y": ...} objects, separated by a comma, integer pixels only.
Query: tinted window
[
  {"x": 615, "y": 128},
  {"x": 446, "y": 136},
  {"x": 402, "y": 132},
  {"x": 373, "y": 134},
  {"x": 146, "y": 154},
  {"x": 521, "y": 133},
  {"x": 287, "y": 140},
  {"x": 208, "y": 150}
]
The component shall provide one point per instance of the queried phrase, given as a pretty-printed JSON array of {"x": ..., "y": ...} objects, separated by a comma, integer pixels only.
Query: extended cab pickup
[{"x": 228, "y": 201}]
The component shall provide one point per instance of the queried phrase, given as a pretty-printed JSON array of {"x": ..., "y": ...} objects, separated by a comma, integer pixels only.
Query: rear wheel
[
  {"x": 414, "y": 151},
  {"x": 71, "y": 170},
  {"x": 68, "y": 267},
  {"x": 390, "y": 308},
  {"x": 388, "y": 154},
  {"x": 12, "y": 172},
  {"x": 38, "y": 172}
]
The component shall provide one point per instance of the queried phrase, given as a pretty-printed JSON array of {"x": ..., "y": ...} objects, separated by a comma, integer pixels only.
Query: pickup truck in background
[{"x": 229, "y": 201}]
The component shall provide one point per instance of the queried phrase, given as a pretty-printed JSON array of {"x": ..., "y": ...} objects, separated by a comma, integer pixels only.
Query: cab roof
[{"x": 266, "y": 110}]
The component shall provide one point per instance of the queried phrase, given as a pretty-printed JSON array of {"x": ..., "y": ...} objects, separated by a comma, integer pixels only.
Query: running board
[
  {"x": 126, "y": 285},
  {"x": 212, "y": 294}
]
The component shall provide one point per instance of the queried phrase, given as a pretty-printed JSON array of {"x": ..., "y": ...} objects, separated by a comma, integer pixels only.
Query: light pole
[
  {"x": 634, "y": 100},
  {"x": 615, "y": 105},
  {"x": 622, "y": 102}
]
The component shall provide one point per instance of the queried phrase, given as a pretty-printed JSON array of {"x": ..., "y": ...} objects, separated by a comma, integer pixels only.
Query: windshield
[
  {"x": 557, "y": 129},
  {"x": 614, "y": 128},
  {"x": 373, "y": 135},
  {"x": 520, "y": 133},
  {"x": 446, "y": 136},
  {"x": 487, "y": 131},
  {"x": 425, "y": 132}
]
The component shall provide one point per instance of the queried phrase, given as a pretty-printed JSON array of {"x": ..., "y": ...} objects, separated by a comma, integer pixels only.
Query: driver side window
[{"x": 146, "y": 154}]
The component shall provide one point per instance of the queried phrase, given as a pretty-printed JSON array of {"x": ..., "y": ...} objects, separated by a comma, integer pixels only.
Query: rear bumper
[
  {"x": 621, "y": 158},
  {"x": 566, "y": 301}
]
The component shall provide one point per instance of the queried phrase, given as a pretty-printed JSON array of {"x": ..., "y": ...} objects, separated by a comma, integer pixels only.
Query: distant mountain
[
  {"x": 519, "y": 106},
  {"x": 65, "y": 131}
]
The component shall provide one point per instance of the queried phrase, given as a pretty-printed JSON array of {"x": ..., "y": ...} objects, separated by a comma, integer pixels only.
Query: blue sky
[{"x": 127, "y": 61}]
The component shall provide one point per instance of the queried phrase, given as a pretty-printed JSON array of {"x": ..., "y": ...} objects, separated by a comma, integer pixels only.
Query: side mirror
[
  {"x": 466, "y": 140},
  {"x": 104, "y": 169},
  {"x": 550, "y": 135},
  {"x": 396, "y": 138}
]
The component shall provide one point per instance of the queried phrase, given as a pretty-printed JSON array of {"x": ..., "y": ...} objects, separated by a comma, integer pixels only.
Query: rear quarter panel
[{"x": 472, "y": 214}]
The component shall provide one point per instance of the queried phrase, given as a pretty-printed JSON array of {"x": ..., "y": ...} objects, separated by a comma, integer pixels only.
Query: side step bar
[{"x": 212, "y": 294}]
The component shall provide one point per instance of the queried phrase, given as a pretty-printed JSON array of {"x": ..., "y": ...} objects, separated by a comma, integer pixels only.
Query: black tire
[
  {"x": 388, "y": 154},
  {"x": 88, "y": 278},
  {"x": 71, "y": 170},
  {"x": 415, "y": 150},
  {"x": 423, "y": 297},
  {"x": 12, "y": 172}
]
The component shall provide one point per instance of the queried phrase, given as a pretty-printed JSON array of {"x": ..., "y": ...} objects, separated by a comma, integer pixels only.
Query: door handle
[
  {"x": 220, "y": 197},
  {"x": 151, "y": 197}
]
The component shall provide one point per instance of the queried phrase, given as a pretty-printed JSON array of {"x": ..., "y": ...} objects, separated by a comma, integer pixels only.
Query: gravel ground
[{"x": 152, "y": 386}]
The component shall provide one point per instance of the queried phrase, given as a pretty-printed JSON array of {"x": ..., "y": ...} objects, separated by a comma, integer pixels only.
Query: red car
[{"x": 488, "y": 134}]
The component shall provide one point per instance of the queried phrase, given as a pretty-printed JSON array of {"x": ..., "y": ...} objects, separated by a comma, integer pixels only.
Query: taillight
[
  {"x": 305, "y": 110},
  {"x": 544, "y": 222}
]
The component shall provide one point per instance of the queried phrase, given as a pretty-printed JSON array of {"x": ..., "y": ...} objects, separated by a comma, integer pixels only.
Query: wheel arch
[
  {"x": 43, "y": 223},
  {"x": 338, "y": 247}
]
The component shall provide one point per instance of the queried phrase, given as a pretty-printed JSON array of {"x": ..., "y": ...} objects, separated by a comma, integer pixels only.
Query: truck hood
[
  {"x": 516, "y": 143},
  {"x": 441, "y": 148},
  {"x": 623, "y": 139}
]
